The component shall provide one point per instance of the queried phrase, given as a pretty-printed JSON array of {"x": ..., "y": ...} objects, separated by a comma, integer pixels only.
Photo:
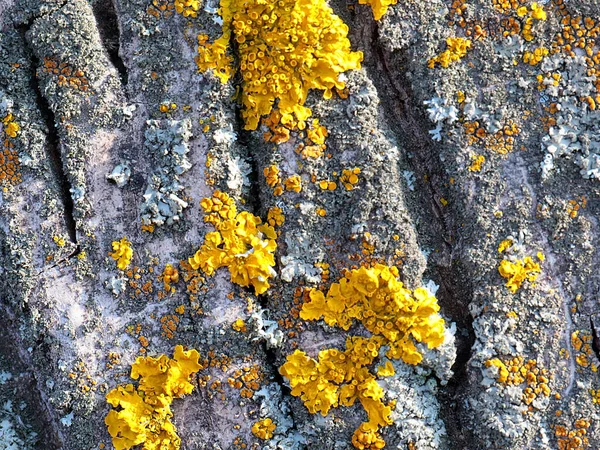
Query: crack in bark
[
  {"x": 52, "y": 142},
  {"x": 110, "y": 34},
  {"x": 455, "y": 292}
]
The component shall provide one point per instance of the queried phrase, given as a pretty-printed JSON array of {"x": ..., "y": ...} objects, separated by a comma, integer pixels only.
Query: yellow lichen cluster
[
  {"x": 142, "y": 415},
  {"x": 264, "y": 429},
  {"x": 582, "y": 341},
  {"x": 395, "y": 316},
  {"x": 386, "y": 308},
  {"x": 293, "y": 183},
  {"x": 122, "y": 253},
  {"x": 349, "y": 178},
  {"x": 379, "y": 7},
  {"x": 476, "y": 163},
  {"x": 516, "y": 271},
  {"x": 516, "y": 371},
  {"x": 11, "y": 128},
  {"x": 340, "y": 378},
  {"x": 286, "y": 48},
  {"x": 574, "y": 438},
  {"x": 535, "y": 57},
  {"x": 187, "y": 8},
  {"x": 456, "y": 49},
  {"x": 240, "y": 243}
]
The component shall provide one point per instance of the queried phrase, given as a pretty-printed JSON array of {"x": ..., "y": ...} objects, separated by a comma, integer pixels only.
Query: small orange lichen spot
[
  {"x": 169, "y": 275},
  {"x": 180, "y": 309},
  {"x": 12, "y": 129},
  {"x": 456, "y": 49},
  {"x": 275, "y": 216},
  {"x": 349, "y": 178},
  {"x": 321, "y": 212},
  {"x": 240, "y": 243},
  {"x": 122, "y": 253},
  {"x": 535, "y": 57},
  {"x": 476, "y": 162},
  {"x": 271, "y": 174},
  {"x": 263, "y": 429},
  {"x": 239, "y": 325},
  {"x": 293, "y": 183},
  {"x": 142, "y": 415},
  {"x": 148, "y": 228}
]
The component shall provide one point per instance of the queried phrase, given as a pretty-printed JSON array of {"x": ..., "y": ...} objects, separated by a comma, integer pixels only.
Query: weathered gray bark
[{"x": 67, "y": 338}]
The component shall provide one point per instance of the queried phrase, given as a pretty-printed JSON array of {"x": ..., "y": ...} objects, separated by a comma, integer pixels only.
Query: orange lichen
[
  {"x": 350, "y": 178},
  {"x": 293, "y": 183},
  {"x": 264, "y": 429},
  {"x": 286, "y": 48},
  {"x": 574, "y": 438},
  {"x": 142, "y": 415},
  {"x": 65, "y": 74},
  {"x": 241, "y": 243},
  {"x": 516, "y": 371}
]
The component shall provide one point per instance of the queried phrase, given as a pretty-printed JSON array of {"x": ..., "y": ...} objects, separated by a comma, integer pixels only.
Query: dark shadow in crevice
[{"x": 110, "y": 34}]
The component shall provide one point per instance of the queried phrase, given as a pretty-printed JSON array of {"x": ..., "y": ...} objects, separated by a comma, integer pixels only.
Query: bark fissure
[
  {"x": 454, "y": 293},
  {"x": 110, "y": 35},
  {"x": 53, "y": 146}
]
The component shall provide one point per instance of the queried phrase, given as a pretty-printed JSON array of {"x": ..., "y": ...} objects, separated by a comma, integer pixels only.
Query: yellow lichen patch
[
  {"x": 264, "y": 429},
  {"x": 239, "y": 325},
  {"x": 142, "y": 415},
  {"x": 386, "y": 370},
  {"x": 505, "y": 244},
  {"x": 286, "y": 48},
  {"x": 516, "y": 371},
  {"x": 517, "y": 271},
  {"x": 241, "y": 243},
  {"x": 339, "y": 378},
  {"x": 293, "y": 183},
  {"x": 349, "y": 178},
  {"x": 582, "y": 340},
  {"x": 379, "y": 7},
  {"x": 11, "y": 128},
  {"x": 396, "y": 317},
  {"x": 535, "y": 57},
  {"x": 456, "y": 49},
  {"x": 476, "y": 163},
  {"x": 122, "y": 253},
  {"x": 187, "y": 8}
]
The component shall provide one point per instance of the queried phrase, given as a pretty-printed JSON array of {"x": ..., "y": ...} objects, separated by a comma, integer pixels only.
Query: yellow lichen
[
  {"x": 286, "y": 48},
  {"x": 142, "y": 415},
  {"x": 456, "y": 49},
  {"x": 516, "y": 272},
  {"x": 239, "y": 325},
  {"x": 476, "y": 163},
  {"x": 122, "y": 253},
  {"x": 187, "y": 8},
  {"x": 379, "y": 7},
  {"x": 241, "y": 243},
  {"x": 396, "y": 317},
  {"x": 264, "y": 429}
]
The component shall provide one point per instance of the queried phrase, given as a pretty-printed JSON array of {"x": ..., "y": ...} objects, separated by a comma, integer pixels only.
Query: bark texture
[{"x": 453, "y": 161}]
